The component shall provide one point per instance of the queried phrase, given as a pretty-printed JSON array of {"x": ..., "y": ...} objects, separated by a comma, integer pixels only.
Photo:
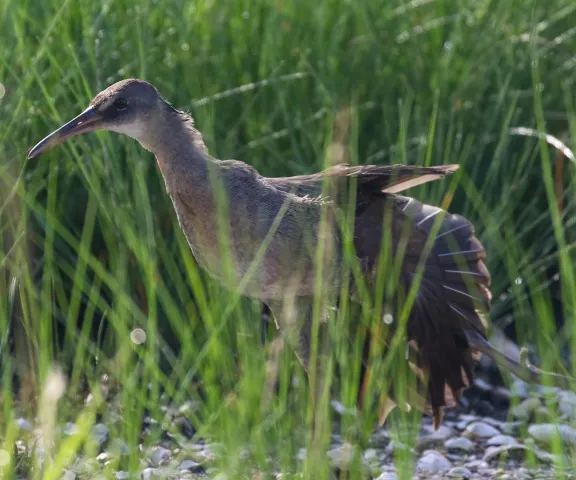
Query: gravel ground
[
  {"x": 467, "y": 445},
  {"x": 483, "y": 438}
]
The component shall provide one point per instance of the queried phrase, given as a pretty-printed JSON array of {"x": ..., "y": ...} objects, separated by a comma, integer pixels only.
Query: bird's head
[{"x": 131, "y": 107}]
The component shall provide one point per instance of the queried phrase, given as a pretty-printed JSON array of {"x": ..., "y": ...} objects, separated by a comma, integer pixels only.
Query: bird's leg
[
  {"x": 265, "y": 320},
  {"x": 296, "y": 321},
  {"x": 274, "y": 351}
]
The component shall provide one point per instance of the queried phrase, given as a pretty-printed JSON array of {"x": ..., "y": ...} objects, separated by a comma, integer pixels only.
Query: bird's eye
[{"x": 120, "y": 104}]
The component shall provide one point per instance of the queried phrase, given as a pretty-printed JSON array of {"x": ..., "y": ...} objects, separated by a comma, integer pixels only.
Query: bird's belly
[{"x": 240, "y": 264}]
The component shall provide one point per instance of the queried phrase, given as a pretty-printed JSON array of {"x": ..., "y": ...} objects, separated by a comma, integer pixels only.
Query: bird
[{"x": 267, "y": 248}]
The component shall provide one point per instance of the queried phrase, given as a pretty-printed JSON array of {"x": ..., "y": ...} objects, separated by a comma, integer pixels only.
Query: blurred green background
[{"x": 90, "y": 247}]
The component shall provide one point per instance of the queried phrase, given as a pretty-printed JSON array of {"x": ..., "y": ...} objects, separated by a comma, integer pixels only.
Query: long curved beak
[{"x": 88, "y": 120}]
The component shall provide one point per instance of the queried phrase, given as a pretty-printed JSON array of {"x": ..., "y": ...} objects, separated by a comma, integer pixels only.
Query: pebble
[
  {"x": 151, "y": 474},
  {"x": 118, "y": 447},
  {"x": 523, "y": 474},
  {"x": 482, "y": 385},
  {"x": 380, "y": 439},
  {"x": 24, "y": 424},
  {"x": 546, "y": 432},
  {"x": 100, "y": 434},
  {"x": 103, "y": 457},
  {"x": 511, "y": 428},
  {"x": 343, "y": 455},
  {"x": 519, "y": 389},
  {"x": 339, "y": 408},
  {"x": 122, "y": 475},
  {"x": 517, "y": 451},
  {"x": 459, "y": 472},
  {"x": 566, "y": 404},
  {"x": 481, "y": 430},
  {"x": 88, "y": 467},
  {"x": 477, "y": 465},
  {"x": 70, "y": 428},
  {"x": 459, "y": 444},
  {"x": 435, "y": 438},
  {"x": 502, "y": 440},
  {"x": 544, "y": 390},
  {"x": 502, "y": 395},
  {"x": 525, "y": 409},
  {"x": 160, "y": 456},
  {"x": 185, "y": 427},
  {"x": 433, "y": 462},
  {"x": 68, "y": 475},
  {"x": 388, "y": 476},
  {"x": 191, "y": 466}
]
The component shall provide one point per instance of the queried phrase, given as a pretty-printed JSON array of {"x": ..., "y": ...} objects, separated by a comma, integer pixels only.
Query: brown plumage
[{"x": 274, "y": 226}]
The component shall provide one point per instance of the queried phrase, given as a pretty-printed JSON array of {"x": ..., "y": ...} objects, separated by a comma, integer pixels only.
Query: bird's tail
[
  {"x": 446, "y": 331},
  {"x": 521, "y": 368}
]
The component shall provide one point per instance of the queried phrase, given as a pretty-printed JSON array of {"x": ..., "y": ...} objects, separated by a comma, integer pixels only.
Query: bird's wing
[
  {"x": 369, "y": 178},
  {"x": 452, "y": 292}
]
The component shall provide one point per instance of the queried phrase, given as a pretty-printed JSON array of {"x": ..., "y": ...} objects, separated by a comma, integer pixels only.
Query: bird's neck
[{"x": 179, "y": 149}]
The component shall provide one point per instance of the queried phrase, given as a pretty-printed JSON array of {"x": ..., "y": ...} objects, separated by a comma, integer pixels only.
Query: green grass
[{"x": 90, "y": 247}]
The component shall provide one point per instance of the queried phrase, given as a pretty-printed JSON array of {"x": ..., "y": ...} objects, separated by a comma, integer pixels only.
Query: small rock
[
  {"x": 433, "y": 462},
  {"x": 484, "y": 408},
  {"x": 70, "y": 428},
  {"x": 191, "y": 466},
  {"x": 525, "y": 409},
  {"x": 68, "y": 475},
  {"x": 467, "y": 418},
  {"x": 103, "y": 457},
  {"x": 502, "y": 440},
  {"x": 519, "y": 389},
  {"x": 100, "y": 434},
  {"x": 459, "y": 444},
  {"x": 388, "y": 476},
  {"x": 118, "y": 447},
  {"x": 459, "y": 472},
  {"x": 435, "y": 438},
  {"x": 544, "y": 390},
  {"x": 545, "y": 432},
  {"x": 511, "y": 428},
  {"x": 502, "y": 395},
  {"x": 340, "y": 409},
  {"x": 462, "y": 424},
  {"x": 482, "y": 385},
  {"x": 160, "y": 456},
  {"x": 342, "y": 456},
  {"x": 523, "y": 474},
  {"x": 188, "y": 407},
  {"x": 185, "y": 427},
  {"x": 542, "y": 414},
  {"x": 24, "y": 424},
  {"x": 370, "y": 454},
  {"x": 517, "y": 451},
  {"x": 546, "y": 457},
  {"x": 566, "y": 404},
  {"x": 476, "y": 465},
  {"x": 151, "y": 474},
  {"x": 379, "y": 439},
  {"x": 481, "y": 430},
  {"x": 122, "y": 475},
  {"x": 492, "y": 421},
  {"x": 87, "y": 467}
]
